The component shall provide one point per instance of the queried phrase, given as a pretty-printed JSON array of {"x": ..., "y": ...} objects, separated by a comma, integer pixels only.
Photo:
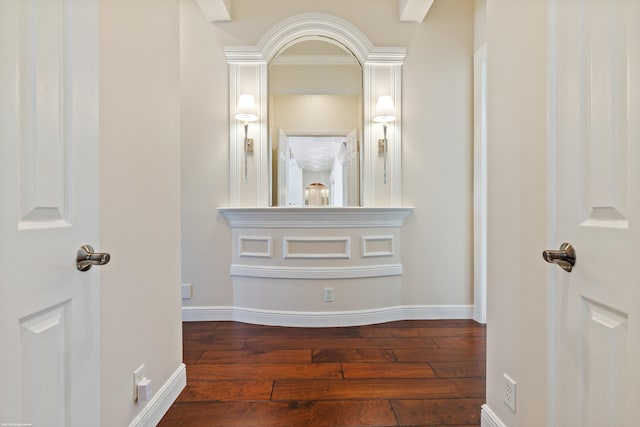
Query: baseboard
[
  {"x": 160, "y": 403},
  {"x": 488, "y": 418},
  {"x": 326, "y": 318}
]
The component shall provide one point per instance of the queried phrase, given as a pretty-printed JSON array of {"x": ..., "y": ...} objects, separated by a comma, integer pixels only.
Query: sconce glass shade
[
  {"x": 385, "y": 111},
  {"x": 247, "y": 110}
]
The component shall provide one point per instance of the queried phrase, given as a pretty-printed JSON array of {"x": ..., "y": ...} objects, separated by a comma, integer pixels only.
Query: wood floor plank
[
  {"x": 226, "y": 391},
  {"x": 353, "y": 355},
  {"x": 364, "y": 389},
  {"x": 471, "y": 387},
  {"x": 191, "y": 356},
  {"x": 260, "y": 372},
  {"x": 459, "y": 369},
  {"x": 459, "y": 342},
  {"x": 309, "y": 333},
  {"x": 281, "y": 414},
  {"x": 387, "y": 370},
  {"x": 189, "y": 326},
  {"x": 256, "y": 356},
  {"x": 423, "y": 332},
  {"x": 285, "y": 343},
  {"x": 461, "y": 354},
  {"x": 438, "y": 411}
]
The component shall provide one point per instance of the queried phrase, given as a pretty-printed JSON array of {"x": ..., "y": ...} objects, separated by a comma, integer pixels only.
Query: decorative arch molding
[
  {"x": 382, "y": 75},
  {"x": 315, "y": 25}
]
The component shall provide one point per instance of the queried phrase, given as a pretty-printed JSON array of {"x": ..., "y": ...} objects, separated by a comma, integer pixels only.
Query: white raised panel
[
  {"x": 604, "y": 364},
  {"x": 44, "y": 114},
  {"x": 378, "y": 246},
  {"x": 316, "y": 247},
  {"x": 45, "y": 367},
  {"x": 605, "y": 46},
  {"x": 255, "y": 246}
]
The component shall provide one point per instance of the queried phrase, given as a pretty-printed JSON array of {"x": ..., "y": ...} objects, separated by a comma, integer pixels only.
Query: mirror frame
[{"x": 382, "y": 75}]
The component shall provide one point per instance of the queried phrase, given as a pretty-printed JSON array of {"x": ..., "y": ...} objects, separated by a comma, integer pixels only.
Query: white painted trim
[
  {"x": 488, "y": 418},
  {"x": 414, "y": 10},
  {"x": 285, "y": 217},
  {"x": 357, "y": 272},
  {"x": 267, "y": 254},
  {"x": 216, "y": 10},
  {"x": 160, "y": 403},
  {"x": 480, "y": 184},
  {"x": 326, "y": 318},
  {"x": 367, "y": 254},
  {"x": 287, "y": 254},
  {"x": 335, "y": 60}
]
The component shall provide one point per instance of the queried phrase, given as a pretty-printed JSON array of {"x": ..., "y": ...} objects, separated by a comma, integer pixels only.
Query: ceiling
[
  {"x": 408, "y": 10},
  {"x": 316, "y": 153}
]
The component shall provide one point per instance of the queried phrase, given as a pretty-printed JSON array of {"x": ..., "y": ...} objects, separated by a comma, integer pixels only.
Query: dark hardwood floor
[{"x": 409, "y": 373}]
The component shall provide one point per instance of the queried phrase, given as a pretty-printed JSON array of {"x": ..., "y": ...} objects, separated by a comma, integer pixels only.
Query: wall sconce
[
  {"x": 246, "y": 112},
  {"x": 385, "y": 113}
]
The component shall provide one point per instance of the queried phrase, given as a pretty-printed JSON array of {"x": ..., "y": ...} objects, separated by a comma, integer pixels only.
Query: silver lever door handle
[
  {"x": 565, "y": 257},
  {"x": 85, "y": 258}
]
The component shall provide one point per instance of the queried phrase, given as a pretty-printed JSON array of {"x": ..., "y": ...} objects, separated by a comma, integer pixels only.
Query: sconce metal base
[
  {"x": 381, "y": 144},
  {"x": 249, "y": 145}
]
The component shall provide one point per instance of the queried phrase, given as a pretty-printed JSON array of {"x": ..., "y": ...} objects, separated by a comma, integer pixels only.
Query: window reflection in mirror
[{"x": 315, "y": 122}]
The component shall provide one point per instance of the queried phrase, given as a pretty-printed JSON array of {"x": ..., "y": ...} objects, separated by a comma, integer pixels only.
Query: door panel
[
  {"x": 49, "y": 320},
  {"x": 595, "y": 205},
  {"x": 45, "y": 362}
]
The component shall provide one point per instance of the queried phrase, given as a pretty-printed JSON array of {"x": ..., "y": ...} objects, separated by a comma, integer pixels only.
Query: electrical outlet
[
  {"x": 138, "y": 375},
  {"x": 186, "y": 291},
  {"x": 509, "y": 396},
  {"x": 328, "y": 294}
]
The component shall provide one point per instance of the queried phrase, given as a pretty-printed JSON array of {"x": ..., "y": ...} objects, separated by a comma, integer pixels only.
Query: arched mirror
[
  {"x": 297, "y": 73},
  {"x": 315, "y": 124}
]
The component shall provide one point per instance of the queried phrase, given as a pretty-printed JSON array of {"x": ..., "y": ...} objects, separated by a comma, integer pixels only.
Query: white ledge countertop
[{"x": 315, "y": 217}]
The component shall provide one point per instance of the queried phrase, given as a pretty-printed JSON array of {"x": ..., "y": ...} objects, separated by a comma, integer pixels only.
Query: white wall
[
  {"x": 314, "y": 113},
  {"x": 206, "y": 239},
  {"x": 437, "y": 141},
  {"x": 140, "y": 200},
  {"x": 517, "y": 209},
  {"x": 437, "y": 157}
]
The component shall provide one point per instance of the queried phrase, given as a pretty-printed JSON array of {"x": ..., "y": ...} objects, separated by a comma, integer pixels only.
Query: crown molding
[
  {"x": 414, "y": 10},
  {"x": 216, "y": 10}
]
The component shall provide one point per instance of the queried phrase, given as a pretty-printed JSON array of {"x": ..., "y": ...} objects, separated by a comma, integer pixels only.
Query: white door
[
  {"x": 49, "y": 330},
  {"x": 594, "y": 159}
]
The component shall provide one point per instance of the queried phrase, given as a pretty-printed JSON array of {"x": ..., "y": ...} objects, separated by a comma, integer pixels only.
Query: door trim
[{"x": 480, "y": 184}]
